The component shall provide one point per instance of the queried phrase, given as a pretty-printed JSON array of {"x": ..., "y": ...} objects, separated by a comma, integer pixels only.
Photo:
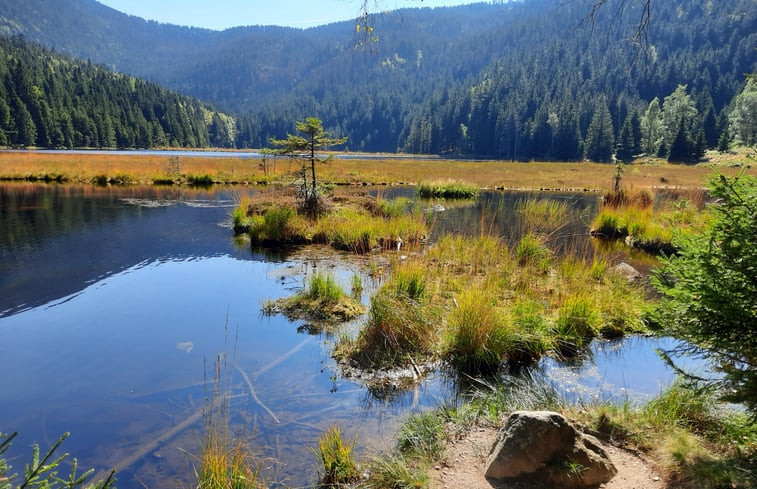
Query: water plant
[
  {"x": 203, "y": 180},
  {"x": 336, "y": 455},
  {"x": 226, "y": 461},
  {"x": 447, "y": 190},
  {"x": 477, "y": 338},
  {"x": 322, "y": 300}
]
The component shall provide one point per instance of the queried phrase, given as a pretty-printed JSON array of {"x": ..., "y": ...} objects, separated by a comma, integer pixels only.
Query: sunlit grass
[
  {"x": 447, "y": 190},
  {"x": 232, "y": 168},
  {"x": 345, "y": 228},
  {"x": 336, "y": 455},
  {"x": 648, "y": 226},
  {"x": 476, "y": 304},
  {"x": 226, "y": 461}
]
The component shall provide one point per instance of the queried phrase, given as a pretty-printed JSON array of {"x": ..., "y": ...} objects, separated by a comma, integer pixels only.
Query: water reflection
[{"x": 115, "y": 303}]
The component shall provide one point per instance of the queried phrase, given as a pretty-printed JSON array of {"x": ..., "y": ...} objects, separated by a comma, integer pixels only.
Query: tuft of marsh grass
[
  {"x": 396, "y": 332},
  {"x": 422, "y": 436},
  {"x": 650, "y": 223},
  {"x": 324, "y": 288},
  {"x": 322, "y": 300},
  {"x": 390, "y": 471},
  {"x": 532, "y": 250},
  {"x": 346, "y": 228},
  {"x": 356, "y": 286},
  {"x": 202, "y": 180},
  {"x": 447, "y": 190},
  {"x": 578, "y": 321},
  {"x": 477, "y": 337},
  {"x": 543, "y": 215},
  {"x": 226, "y": 461},
  {"x": 336, "y": 456}
]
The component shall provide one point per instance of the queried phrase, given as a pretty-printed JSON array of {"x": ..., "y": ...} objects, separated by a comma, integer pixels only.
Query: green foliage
[
  {"x": 578, "y": 321},
  {"x": 410, "y": 281},
  {"x": 447, "y": 190},
  {"x": 356, "y": 286},
  {"x": 42, "y": 471},
  {"x": 303, "y": 147},
  {"x": 200, "y": 180},
  {"x": 323, "y": 287},
  {"x": 337, "y": 458},
  {"x": 395, "y": 329},
  {"x": 477, "y": 339},
  {"x": 422, "y": 435},
  {"x": 395, "y": 472},
  {"x": 600, "y": 136},
  {"x": 52, "y": 101},
  {"x": 709, "y": 290},
  {"x": 531, "y": 250}
]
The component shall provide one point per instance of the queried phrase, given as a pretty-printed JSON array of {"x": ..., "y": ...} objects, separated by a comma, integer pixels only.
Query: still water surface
[{"x": 116, "y": 302}]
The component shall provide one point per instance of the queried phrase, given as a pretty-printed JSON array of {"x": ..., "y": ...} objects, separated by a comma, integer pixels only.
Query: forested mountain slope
[
  {"x": 515, "y": 80},
  {"x": 49, "y": 100}
]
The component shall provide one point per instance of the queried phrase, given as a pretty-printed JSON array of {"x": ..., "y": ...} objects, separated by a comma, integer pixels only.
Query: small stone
[{"x": 656, "y": 478}]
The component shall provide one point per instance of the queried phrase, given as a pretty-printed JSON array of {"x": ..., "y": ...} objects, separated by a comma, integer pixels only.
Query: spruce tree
[
  {"x": 680, "y": 149},
  {"x": 599, "y": 136},
  {"x": 625, "y": 145}
]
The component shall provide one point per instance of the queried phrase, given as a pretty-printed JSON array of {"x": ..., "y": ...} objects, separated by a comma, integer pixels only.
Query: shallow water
[{"x": 116, "y": 302}]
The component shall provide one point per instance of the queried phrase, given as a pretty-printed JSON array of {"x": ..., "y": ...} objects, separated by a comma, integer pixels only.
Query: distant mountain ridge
[
  {"x": 53, "y": 101},
  {"x": 479, "y": 79}
]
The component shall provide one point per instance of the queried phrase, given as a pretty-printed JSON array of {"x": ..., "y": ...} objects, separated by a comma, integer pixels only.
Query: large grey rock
[
  {"x": 546, "y": 443},
  {"x": 626, "y": 271}
]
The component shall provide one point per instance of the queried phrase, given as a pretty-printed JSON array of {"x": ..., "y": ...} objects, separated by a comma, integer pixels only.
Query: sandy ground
[{"x": 466, "y": 458}]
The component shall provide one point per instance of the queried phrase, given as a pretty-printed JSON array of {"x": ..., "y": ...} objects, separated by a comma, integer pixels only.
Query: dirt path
[{"x": 466, "y": 459}]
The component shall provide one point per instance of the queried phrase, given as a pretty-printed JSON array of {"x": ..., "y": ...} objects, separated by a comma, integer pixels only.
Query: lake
[{"x": 116, "y": 302}]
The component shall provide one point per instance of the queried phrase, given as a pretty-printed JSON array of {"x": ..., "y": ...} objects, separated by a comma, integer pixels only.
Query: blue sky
[{"x": 221, "y": 14}]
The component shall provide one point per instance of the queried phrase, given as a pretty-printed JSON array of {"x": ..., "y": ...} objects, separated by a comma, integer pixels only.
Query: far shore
[{"x": 171, "y": 167}]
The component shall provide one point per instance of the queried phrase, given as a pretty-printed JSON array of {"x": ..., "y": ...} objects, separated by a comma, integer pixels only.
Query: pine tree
[{"x": 303, "y": 147}]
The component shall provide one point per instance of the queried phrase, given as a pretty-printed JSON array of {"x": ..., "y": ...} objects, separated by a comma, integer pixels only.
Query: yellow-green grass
[
  {"x": 447, "y": 190},
  {"x": 695, "y": 442},
  {"x": 346, "y": 228},
  {"x": 322, "y": 300},
  {"x": 226, "y": 461},
  {"x": 484, "y": 174},
  {"x": 648, "y": 225},
  {"x": 336, "y": 455},
  {"x": 483, "y": 304}
]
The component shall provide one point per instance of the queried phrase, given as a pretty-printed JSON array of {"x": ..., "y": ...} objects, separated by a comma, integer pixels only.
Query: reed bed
[
  {"x": 650, "y": 222},
  {"x": 447, "y": 190},
  {"x": 352, "y": 229},
  {"x": 476, "y": 304},
  {"x": 156, "y": 168}
]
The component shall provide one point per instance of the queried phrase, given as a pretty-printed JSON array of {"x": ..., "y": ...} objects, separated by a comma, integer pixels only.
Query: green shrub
[
  {"x": 42, "y": 472},
  {"x": 710, "y": 291}
]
